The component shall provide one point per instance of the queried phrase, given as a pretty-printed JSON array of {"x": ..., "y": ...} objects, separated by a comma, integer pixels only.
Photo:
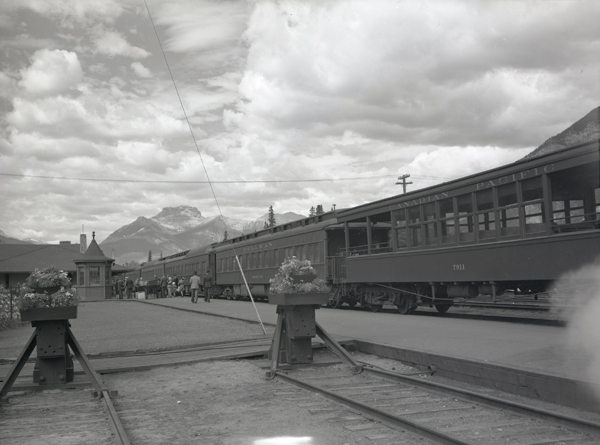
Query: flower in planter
[
  {"x": 288, "y": 279},
  {"x": 32, "y": 295},
  {"x": 48, "y": 277}
]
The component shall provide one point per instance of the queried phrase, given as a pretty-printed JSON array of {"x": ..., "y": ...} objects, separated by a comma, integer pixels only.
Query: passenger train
[{"x": 519, "y": 226}]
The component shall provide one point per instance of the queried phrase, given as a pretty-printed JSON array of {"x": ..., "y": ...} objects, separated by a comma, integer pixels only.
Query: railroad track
[
  {"x": 439, "y": 413},
  {"x": 417, "y": 410}
]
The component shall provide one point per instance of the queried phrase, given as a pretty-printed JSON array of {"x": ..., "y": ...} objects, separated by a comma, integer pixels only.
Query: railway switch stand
[
  {"x": 295, "y": 329},
  {"x": 54, "y": 365}
]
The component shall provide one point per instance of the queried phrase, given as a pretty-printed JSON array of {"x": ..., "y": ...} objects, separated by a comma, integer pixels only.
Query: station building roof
[{"x": 15, "y": 258}]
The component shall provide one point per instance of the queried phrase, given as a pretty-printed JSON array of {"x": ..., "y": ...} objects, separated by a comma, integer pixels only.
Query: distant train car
[
  {"x": 519, "y": 226},
  {"x": 261, "y": 254}
]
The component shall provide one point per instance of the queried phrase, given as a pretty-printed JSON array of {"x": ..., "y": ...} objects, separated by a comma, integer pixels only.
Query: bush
[{"x": 8, "y": 319}]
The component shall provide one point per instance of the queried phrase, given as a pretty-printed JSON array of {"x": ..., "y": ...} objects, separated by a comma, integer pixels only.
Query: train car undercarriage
[{"x": 408, "y": 297}]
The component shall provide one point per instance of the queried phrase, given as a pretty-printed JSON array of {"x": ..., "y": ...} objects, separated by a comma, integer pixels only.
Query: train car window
[
  {"x": 534, "y": 218},
  {"x": 507, "y": 195},
  {"x": 414, "y": 226},
  {"x": 430, "y": 228},
  {"x": 254, "y": 261},
  {"x": 447, "y": 223},
  {"x": 486, "y": 216},
  {"x": 466, "y": 227},
  {"x": 399, "y": 217},
  {"x": 532, "y": 189},
  {"x": 429, "y": 211},
  {"x": 260, "y": 259},
  {"x": 508, "y": 214},
  {"x": 414, "y": 215},
  {"x": 304, "y": 251}
]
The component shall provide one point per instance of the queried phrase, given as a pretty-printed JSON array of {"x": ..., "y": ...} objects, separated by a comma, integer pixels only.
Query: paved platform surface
[
  {"x": 541, "y": 349},
  {"x": 148, "y": 324}
]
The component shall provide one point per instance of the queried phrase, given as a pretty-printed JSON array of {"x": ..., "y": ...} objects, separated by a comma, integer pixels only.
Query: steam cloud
[{"x": 577, "y": 299}]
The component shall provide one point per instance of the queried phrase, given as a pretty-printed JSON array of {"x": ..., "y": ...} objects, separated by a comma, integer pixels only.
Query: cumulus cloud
[
  {"x": 113, "y": 43},
  {"x": 140, "y": 70},
  {"x": 51, "y": 72},
  {"x": 70, "y": 13},
  {"x": 402, "y": 71}
]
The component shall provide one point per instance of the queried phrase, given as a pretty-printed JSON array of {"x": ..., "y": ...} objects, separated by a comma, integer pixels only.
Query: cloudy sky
[{"x": 334, "y": 98}]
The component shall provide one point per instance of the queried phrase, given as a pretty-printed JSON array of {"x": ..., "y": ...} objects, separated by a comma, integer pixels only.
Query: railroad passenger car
[
  {"x": 260, "y": 255},
  {"x": 519, "y": 226}
]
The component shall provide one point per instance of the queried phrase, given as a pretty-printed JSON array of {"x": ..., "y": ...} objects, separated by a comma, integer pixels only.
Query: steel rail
[
  {"x": 375, "y": 414},
  {"x": 491, "y": 401},
  {"x": 115, "y": 423}
]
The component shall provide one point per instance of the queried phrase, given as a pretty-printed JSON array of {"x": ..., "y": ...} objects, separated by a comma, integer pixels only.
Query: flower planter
[
  {"x": 46, "y": 290},
  {"x": 299, "y": 299},
  {"x": 308, "y": 278},
  {"x": 49, "y": 313}
]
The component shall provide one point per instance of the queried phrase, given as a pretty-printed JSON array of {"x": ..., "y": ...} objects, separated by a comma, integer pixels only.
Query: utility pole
[{"x": 402, "y": 181}]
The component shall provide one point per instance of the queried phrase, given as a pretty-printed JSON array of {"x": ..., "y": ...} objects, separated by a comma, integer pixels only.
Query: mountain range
[{"x": 175, "y": 229}]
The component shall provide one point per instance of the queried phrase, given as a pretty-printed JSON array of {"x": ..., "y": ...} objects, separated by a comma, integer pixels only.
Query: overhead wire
[
  {"x": 203, "y": 164},
  {"x": 241, "y": 181}
]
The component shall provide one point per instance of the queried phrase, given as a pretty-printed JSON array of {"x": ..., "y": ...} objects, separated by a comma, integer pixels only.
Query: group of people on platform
[
  {"x": 175, "y": 287},
  {"x": 124, "y": 287},
  {"x": 167, "y": 287}
]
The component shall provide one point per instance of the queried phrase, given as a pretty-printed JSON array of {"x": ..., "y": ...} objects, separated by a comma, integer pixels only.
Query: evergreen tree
[
  {"x": 225, "y": 235},
  {"x": 320, "y": 209},
  {"x": 272, "y": 222},
  {"x": 312, "y": 211},
  {"x": 265, "y": 225},
  {"x": 149, "y": 255}
]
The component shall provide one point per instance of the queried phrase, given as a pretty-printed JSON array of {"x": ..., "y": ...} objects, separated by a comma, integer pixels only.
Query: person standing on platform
[
  {"x": 163, "y": 286},
  {"x": 175, "y": 285},
  {"x": 181, "y": 287},
  {"x": 121, "y": 287},
  {"x": 129, "y": 287},
  {"x": 195, "y": 287},
  {"x": 207, "y": 286},
  {"x": 170, "y": 286}
]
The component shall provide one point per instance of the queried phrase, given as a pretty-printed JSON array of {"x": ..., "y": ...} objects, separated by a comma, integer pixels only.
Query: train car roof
[
  {"x": 273, "y": 234},
  {"x": 199, "y": 250},
  {"x": 326, "y": 217},
  {"x": 418, "y": 196}
]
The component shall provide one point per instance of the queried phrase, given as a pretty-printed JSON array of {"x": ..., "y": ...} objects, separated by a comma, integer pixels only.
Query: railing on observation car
[
  {"x": 364, "y": 250},
  {"x": 588, "y": 221}
]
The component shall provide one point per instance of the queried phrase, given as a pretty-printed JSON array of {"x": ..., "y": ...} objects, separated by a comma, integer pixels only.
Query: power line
[{"x": 257, "y": 181}]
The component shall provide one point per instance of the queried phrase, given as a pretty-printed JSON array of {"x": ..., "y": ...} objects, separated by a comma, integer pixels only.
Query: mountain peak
[
  {"x": 585, "y": 129},
  {"x": 179, "y": 218},
  {"x": 179, "y": 210}
]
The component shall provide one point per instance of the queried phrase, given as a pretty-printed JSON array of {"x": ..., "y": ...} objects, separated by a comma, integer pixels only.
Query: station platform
[
  {"x": 538, "y": 361},
  {"x": 544, "y": 362}
]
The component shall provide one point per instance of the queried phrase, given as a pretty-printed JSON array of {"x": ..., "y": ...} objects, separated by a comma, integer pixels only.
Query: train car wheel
[
  {"x": 442, "y": 308},
  {"x": 404, "y": 306},
  {"x": 376, "y": 307}
]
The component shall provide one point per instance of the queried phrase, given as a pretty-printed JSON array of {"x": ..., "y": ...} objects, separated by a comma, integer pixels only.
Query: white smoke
[{"x": 576, "y": 296}]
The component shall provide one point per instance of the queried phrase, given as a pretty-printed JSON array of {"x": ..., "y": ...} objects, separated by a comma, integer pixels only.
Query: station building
[{"x": 17, "y": 261}]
